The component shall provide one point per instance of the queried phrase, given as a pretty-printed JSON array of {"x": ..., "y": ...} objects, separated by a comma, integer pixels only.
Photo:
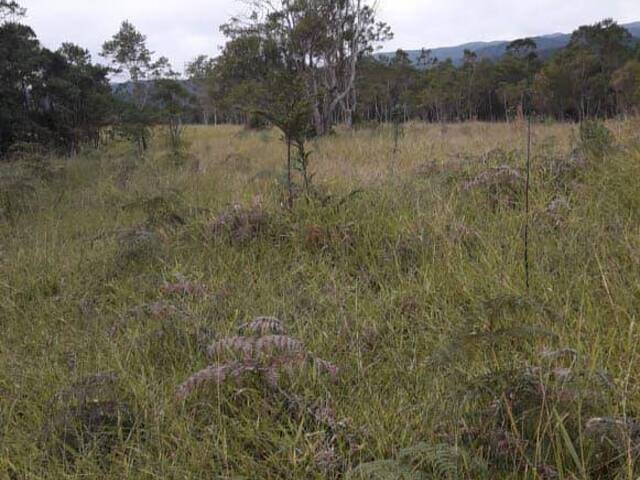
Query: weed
[
  {"x": 595, "y": 138},
  {"x": 89, "y": 416},
  {"x": 266, "y": 354}
]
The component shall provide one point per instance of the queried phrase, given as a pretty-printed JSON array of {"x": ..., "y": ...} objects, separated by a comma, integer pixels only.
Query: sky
[{"x": 181, "y": 30}]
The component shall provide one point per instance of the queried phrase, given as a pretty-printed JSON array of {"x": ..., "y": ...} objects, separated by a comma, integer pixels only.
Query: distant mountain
[{"x": 547, "y": 44}]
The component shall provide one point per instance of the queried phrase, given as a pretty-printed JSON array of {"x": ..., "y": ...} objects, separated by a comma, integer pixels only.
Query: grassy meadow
[{"x": 403, "y": 270}]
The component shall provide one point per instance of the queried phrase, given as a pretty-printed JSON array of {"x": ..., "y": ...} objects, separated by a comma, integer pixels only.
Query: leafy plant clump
[
  {"x": 241, "y": 224},
  {"x": 91, "y": 415},
  {"x": 503, "y": 185},
  {"x": 266, "y": 351},
  {"x": 596, "y": 139}
]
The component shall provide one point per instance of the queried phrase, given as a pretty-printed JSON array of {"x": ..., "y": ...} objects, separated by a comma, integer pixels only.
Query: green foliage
[
  {"x": 424, "y": 461},
  {"x": 15, "y": 191},
  {"x": 137, "y": 247},
  {"x": 299, "y": 38},
  {"x": 384, "y": 470},
  {"x": 573, "y": 83},
  {"x": 174, "y": 101},
  {"x": 89, "y": 416},
  {"x": 163, "y": 209},
  {"x": 11, "y": 8},
  {"x": 128, "y": 52},
  {"x": 596, "y": 139},
  {"x": 626, "y": 83},
  {"x": 287, "y": 107},
  {"x": 129, "y": 55},
  {"x": 59, "y": 100}
]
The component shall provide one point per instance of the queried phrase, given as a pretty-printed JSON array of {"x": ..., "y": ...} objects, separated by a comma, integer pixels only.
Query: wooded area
[{"x": 318, "y": 58}]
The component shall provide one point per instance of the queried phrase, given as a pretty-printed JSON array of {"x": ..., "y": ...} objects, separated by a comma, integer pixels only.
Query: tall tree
[
  {"x": 200, "y": 72},
  {"x": 76, "y": 95},
  {"x": 59, "y": 100},
  {"x": 625, "y": 82},
  {"x": 20, "y": 57},
  {"x": 321, "y": 40},
  {"x": 128, "y": 54},
  {"x": 578, "y": 78},
  {"x": 516, "y": 74},
  {"x": 10, "y": 9}
]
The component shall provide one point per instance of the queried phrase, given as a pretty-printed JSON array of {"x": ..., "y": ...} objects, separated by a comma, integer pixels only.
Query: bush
[
  {"x": 89, "y": 416},
  {"x": 595, "y": 138}
]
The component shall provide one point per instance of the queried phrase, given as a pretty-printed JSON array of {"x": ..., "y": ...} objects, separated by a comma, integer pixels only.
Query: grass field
[{"x": 403, "y": 270}]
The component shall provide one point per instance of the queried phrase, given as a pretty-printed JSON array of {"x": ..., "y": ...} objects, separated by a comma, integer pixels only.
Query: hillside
[{"x": 494, "y": 50}]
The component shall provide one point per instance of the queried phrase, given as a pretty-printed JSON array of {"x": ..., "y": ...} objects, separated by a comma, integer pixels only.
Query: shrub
[
  {"x": 595, "y": 138},
  {"x": 137, "y": 245},
  {"x": 503, "y": 184},
  {"x": 241, "y": 224},
  {"x": 424, "y": 461},
  {"x": 162, "y": 209},
  {"x": 531, "y": 418},
  {"x": 91, "y": 415}
]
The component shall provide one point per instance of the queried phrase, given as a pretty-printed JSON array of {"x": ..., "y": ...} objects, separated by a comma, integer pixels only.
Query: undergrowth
[{"x": 173, "y": 320}]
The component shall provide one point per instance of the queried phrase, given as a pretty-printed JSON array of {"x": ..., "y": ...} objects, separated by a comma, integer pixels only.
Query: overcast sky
[{"x": 183, "y": 29}]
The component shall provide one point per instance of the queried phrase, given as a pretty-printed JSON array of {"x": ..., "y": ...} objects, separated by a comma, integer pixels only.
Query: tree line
[
  {"x": 596, "y": 75},
  {"x": 61, "y": 100},
  {"x": 303, "y": 66},
  {"x": 47, "y": 97}
]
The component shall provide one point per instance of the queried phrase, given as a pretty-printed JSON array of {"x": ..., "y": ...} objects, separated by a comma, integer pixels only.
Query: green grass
[{"x": 413, "y": 286}]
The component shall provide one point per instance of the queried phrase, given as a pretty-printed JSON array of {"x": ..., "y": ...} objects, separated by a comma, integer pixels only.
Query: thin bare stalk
[
  {"x": 289, "y": 180},
  {"x": 527, "y": 207}
]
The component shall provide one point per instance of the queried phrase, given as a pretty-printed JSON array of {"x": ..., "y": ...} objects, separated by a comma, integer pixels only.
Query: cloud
[
  {"x": 178, "y": 30},
  {"x": 437, "y": 23}
]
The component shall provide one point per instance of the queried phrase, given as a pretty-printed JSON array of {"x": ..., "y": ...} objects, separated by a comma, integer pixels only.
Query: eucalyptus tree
[
  {"x": 11, "y": 10},
  {"x": 320, "y": 40},
  {"x": 576, "y": 81},
  {"x": 129, "y": 55}
]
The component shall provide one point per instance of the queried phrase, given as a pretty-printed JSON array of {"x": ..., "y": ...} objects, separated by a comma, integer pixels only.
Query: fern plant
[
  {"x": 424, "y": 461},
  {"x": 264, "y": 350}
]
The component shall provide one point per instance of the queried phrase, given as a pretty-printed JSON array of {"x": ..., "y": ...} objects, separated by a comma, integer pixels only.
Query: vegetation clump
[
  {"x": 503, "y": 184},
  {"x": 241, "y": 224},
  {"x": 89, "y": 417},
  {"x": 266, "y": 352},
  {"x": 595, "y": 138}
]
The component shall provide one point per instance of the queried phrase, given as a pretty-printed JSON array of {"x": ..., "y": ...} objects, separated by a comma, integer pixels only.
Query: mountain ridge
[{"x": 493, "y": 50}]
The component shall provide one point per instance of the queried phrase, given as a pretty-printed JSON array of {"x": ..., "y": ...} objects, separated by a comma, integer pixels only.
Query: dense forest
[
  {"x": 62, "y": 100},
  {"x": 315, "y": 61}
]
